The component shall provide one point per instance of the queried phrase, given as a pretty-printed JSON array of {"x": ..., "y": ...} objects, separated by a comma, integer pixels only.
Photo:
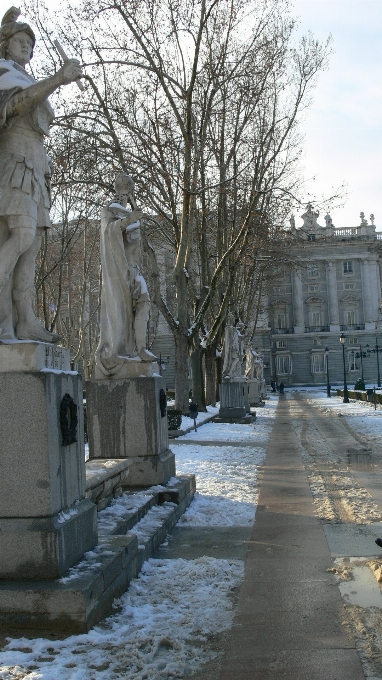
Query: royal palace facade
[{"x": 331, "y": 287}]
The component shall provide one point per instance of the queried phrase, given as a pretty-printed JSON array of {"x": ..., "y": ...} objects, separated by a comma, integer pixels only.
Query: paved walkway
[{"x": 287, "y": 624}]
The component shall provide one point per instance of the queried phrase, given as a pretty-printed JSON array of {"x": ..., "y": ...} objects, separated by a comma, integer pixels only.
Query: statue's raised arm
[{"x": 25, "y": 118}]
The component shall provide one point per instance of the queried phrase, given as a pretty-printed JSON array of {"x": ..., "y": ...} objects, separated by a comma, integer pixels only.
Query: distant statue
[
  {"x": 250, "y": 358},
  {"x": 254, "y": 367},
  {"x": 233, "y": 352},
  {"x": 363, "y": 221},
  {"x": 372, "y": 218},
  {"x": 328, "y": 220},
  {"x": 125, "y": 301},
  {"x": 25, "y": 118}
]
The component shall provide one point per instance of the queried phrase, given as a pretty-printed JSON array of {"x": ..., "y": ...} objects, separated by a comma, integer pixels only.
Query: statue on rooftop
[
  {"x": 125, "y": 301},
  {"x": 25, "y": 118}
]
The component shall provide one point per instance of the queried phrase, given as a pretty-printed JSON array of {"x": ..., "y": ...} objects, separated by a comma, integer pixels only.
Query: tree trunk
[
  {"x": 197, "y": 374},
  {"x": 219, "y": 367},
  {"x": 210, "y": 364},
  {"x": 181, "y": 373}
]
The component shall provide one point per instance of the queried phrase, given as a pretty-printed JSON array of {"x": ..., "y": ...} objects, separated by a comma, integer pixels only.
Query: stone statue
[
  {"x": 233, "y": 349},
  {"x": 250, "y": 359},
  {"x": 125, "y": 301},
  {"x": 25, "y": 117}
]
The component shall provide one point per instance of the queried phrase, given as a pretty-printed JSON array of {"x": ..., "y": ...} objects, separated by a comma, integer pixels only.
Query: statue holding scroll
[
  {"x": 125, "y": 301},
  {"x": 25, "y": 118}
]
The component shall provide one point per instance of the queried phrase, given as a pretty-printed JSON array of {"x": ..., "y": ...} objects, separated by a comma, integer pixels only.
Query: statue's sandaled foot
[
  {"x": 35, "y": 331},
  {"x": 146, "y": 355}
]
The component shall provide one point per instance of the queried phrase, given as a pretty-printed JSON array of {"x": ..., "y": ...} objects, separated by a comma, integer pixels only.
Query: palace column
[
  {"x": 367, "y": 296},
  {"x": 333, "y": 311},
  {"x": 375, "y": 289},
  {"x": 298, "y": 304}
]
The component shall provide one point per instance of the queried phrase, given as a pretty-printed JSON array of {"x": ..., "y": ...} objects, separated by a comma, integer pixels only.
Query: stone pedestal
[
  {"x": 46, "y": 523},
  {"x": 26, "y": 355},
  {"x": 125, "y": 421},
  {"x": 232, "y": 400},
  {"x": 255, "y": 390}
]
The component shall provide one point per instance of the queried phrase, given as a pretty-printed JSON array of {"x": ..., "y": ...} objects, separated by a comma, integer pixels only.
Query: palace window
[
  {"x": 280, "y": 320},
  {"x": 350, "y": 317},
  {"x": 313, "y": 288},
  {"x": 348, "y": 267},
  {"x": 316, "y": 319},
  {"x": 283, "y": 365},
  {"x": 311, "y": 237},
  {"x": 318, "y": 363},
  {"x": 348, "y": 286},
  {"x": 353, "y": 362},
  {"x": 280, "y": 344},
  {"x": 277, "y": 289},
  {"x": 313, "y": 272},
  {"x": 353, "y": 341}
]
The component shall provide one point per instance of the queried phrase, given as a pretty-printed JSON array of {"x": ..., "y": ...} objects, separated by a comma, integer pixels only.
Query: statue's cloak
[{"x": 117, "y": 313}]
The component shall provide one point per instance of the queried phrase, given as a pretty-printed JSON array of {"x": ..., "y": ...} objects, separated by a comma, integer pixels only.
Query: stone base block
[
  {"x": 124, "y": 418},
  {"x": 151, "y": 470},
  {"x": 132, "y": 368},
  {"x": 26, "y": 355},
  {"x": 234, "y": 394},
  {"x": 78, "y": 601},
  {"x": 45, "y": 547},
  {"x": 238, "y": 412},
  {"x": 84, "y": 596},
  {"x": 248, "y": 419},
  {"x": 104, "y": 480},
  {"x": 254, "y": 389},
  {"x": 39, "y": 475}
]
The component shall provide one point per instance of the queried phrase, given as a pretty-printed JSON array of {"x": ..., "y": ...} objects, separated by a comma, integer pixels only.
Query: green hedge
[{"x": 174, "y": 418}]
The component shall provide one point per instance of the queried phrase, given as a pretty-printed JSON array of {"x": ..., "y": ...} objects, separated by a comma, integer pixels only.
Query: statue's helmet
[
  {"x": 124, "y": 183},
  {"x": 9, "y": 27}
]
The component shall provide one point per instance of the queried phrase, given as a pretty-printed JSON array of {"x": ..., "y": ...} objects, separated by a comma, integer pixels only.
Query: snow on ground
[
  {"x": 226, "y": 479},
  {"x": 161, "y": 625},
  {"x": 258, "y": 432},
  {"x": 336, "y": 491},
  {"x": 226, "y": 476},
  {"x": 156, "y": 632},
  {"x": 360, "y": 415}
]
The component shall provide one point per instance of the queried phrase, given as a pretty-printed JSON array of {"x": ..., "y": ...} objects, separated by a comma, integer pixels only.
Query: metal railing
[
  {"x": 317, "y": 329},
  {"x": 355, "y": 327},
  {"x": 281, "y": 331}
]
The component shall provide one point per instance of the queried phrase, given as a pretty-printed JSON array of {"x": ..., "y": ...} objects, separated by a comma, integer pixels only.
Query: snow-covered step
[{"x": 84, "y": 594}]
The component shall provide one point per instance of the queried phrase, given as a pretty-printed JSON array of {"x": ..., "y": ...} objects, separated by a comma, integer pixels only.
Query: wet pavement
[{"x": 288, "y": 619}]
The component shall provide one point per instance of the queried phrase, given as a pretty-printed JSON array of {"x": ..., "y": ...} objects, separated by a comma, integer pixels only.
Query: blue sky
[{"x": 343, "y": 128}]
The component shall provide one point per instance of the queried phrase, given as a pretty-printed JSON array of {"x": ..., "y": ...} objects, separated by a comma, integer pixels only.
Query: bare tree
[{"x": 201, "y": 102}]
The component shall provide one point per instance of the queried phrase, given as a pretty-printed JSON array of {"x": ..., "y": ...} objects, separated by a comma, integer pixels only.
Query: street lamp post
[
  {"x": 327, "y": 372},
  {"x": 377, "y": 349},
  {"x": 346, "y": 395},
  {"x": 361, "y": 355}
]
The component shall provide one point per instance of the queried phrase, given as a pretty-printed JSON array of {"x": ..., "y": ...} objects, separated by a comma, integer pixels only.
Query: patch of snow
[
  {"x": 156, "y": 632},
  {"x": 226, "y": 482}
]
